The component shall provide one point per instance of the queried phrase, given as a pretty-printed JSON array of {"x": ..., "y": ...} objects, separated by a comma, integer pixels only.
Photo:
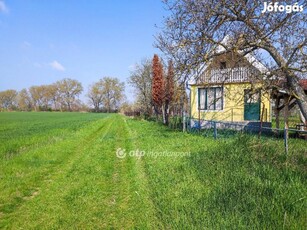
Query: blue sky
[{"x": 45, "y": 41}]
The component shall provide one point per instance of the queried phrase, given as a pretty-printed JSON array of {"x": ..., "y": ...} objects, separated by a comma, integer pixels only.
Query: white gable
[{"x": 220, "y": 49}]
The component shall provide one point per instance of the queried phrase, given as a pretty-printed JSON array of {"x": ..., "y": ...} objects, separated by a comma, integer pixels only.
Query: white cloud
[
  {"x": 3, "y": 7},
  {"x": 57, "y": 66}
]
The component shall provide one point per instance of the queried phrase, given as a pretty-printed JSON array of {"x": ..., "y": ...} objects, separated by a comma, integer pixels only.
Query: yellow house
[{"x": 230, "y": 89}]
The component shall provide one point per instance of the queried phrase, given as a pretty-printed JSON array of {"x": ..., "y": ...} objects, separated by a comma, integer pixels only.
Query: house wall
[{"x": 233, "y": 106}]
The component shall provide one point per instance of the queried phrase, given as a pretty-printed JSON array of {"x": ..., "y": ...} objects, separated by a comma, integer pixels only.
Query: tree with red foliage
[
  {"x": 157, "y": 84},
  {"x": 169, "y": 90}
]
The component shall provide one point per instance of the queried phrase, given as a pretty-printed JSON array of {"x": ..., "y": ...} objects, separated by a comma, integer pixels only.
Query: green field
[{"x": 60, "y": 171}]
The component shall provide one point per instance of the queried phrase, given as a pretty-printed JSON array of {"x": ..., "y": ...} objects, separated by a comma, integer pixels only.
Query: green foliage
[{"x": 60, "y": 171}]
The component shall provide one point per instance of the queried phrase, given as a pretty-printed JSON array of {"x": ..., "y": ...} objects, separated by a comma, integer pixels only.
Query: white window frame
[{"x": 199, "y": 107}]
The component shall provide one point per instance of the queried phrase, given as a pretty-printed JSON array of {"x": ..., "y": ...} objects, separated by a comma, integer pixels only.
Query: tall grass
[{"x": 242, "y": 182}]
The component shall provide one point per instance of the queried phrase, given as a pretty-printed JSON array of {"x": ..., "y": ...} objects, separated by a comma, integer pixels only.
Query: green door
[{"x": 251, "y": 106}]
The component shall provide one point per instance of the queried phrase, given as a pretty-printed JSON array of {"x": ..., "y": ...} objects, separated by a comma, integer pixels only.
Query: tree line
[
  {"x": 157, "y": 94},
  {"x": 63, "y": 95}
]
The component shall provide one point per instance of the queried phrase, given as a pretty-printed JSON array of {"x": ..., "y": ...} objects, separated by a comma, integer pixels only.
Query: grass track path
[{"x": 89, "y": 188}]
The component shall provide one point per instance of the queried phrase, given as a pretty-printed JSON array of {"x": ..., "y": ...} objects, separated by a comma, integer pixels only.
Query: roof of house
[{"x": 249, "y": 57}]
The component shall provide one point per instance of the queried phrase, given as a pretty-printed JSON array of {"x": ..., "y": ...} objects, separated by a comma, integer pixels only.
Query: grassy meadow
[{"x": 61, "y": 171}]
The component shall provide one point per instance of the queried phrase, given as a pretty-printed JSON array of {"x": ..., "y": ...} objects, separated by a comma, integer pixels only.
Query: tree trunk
[
  {"x": 165, "y": 115},
  {"x": 291, "y": 78},
  {"x": 96, "y": 107},
  {"x": 277, "y": 113},
  {"x": 300, "y": 94},
  {"x": 303, "y": 120},
  {"x": 184, "y": 125},
  {"x": 286, "y": 117},
  {"x": 156, "y": 109}
]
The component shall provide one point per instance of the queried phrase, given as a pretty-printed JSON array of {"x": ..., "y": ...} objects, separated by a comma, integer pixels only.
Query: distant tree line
[{"x": 104, "y": 95}]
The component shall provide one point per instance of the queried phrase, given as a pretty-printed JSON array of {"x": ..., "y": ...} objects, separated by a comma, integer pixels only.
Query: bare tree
[
  {"x": 8, "y": 99},
  {"x": 46, "y": 97},
  {"x": 140, "y": 79},
  {"x": 194, "y": 31},
  {"x": 95, "y": 94},
  {"x": 24, "y": 100},
  {"x": 113, "y": 92},
  {"x": 60, "y": 95},
  {"x": 53, "y": 96},
  {"x": 69, "y": 90},
  {"x": 37, "y": 96},
  {"x": 40, "y": 96}
]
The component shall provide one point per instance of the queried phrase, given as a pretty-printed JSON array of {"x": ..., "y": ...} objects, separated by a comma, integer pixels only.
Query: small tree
[{"x": 141, "y": 80}]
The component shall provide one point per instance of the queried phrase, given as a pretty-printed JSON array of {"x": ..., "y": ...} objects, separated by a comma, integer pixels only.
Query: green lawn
[
  {"x": 292, "y": 122},
  {"x": 60, "y": 171}
]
